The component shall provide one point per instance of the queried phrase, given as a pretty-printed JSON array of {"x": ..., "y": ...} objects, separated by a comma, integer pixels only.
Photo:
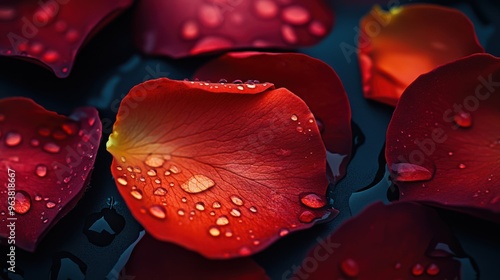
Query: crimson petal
[
  {"x": 51, "y": 157},
  {"x": 396, "y": 47},
  {"x": 397, "y": 241},
  {"x": 222, "y": 169},
  {"x": 443, "y": 142},
  {"x": 153, "y": 260},
  {"x": 311, "y": 79},
  {"x": 175, "y": 29},
  {"x": 51, "y": 32}
]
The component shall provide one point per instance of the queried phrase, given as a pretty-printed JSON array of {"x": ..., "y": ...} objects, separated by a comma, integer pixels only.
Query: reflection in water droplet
[
  {"x": 197, "y": 184},
  {"x": 294, "y": 118},
  {"x": 266, "y": 8},
  {"x": 432, "y": 269},
  {"x": 236, "y": 200},
  {"x": 122, "y": 181},
  {"x": 313, "y": 200},
  {"x": 160, "y": 191},
  {"x": 216, "y": 205},
  {"x": 175, "y": 170},
  {"x": 307, "y": 216},
  {"x": 463, "y": 119},
  {"x": 417, "y": 270},
  {"x": 200, "y": 206},
  {"x": 407, "y": 172},
  {"x": 157, "y": 211},
  {"x": 184, "y": 199},
  {"x": 222, "y": 220},
  {"x": 253, "y": 209},
  {"x": 154, "y": 161},
  {"x": 41, "y": 170},
  {"x": 235, "y": 212},
  {"x": 22, "y": 202},
  {"x": 283, "y": 232},
  {"x": 50, "y": 205},
  {"x": 51, "y": 148},
  {"x": 214, "y": 231},
  {"x": 295, "y": 15},
  {"x": 137, "y": 194},
  {"x": 13, "y": 139},
  {"x": 151, "y": 173},
  {"x": 181, "y": 212},
  {"x": 349, "y": 267}
]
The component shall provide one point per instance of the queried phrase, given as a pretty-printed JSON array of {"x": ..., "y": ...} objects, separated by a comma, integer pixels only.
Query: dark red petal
[
  {"x": 52, "y": 156},
  {"x": 155, "y": 260},
  {"x": 396, "y": 47},
  {"x": 222, "y": 169},
  {"x": 51, "y": 32},
  {"x": 311, "y": 79},
  {"x": 175, "y": 29},
  {"x": 446, "y": 131},
  {"x": 397, "y": 241}
]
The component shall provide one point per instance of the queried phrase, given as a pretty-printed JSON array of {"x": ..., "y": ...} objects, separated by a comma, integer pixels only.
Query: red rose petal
[
  {"x": 397, "y": 241},
  {"x": 221, "y": 169},
  {"x": 52, "y": 156},
  {"x": 447, "y": 126},
  {"x": 153, "y": 259},
  {"x": 51, "y": 32},
  {"x": 311, "y": 79},
  {"x": 396, "y": 47},
  {"x": 175, "y": 29}
]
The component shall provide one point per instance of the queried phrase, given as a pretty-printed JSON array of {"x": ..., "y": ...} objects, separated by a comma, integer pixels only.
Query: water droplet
[
  {"x": 160, "y": 191},
  {"x": 432, "y": 269},
  {"x": 296, "y": 15},
  {"x": 52, "y": 148},
  {"x": 253, "y": 209},
  {"x": 210, "y": 15},
  {"x": 214, "y": 231},
  {"x": 136, "y": 170},
  {"x": 495, "y": 200},
  {"x": 244, "y": 251},
  {"x": 66, "y": 180},
  {"x": 175, "y": 170},
  {"x": 157, "y": 181},
  {"x": 307, "y": 216},
  {"x": 34, "y": 142},
  {"x": 240, "y": 87},
  {"x": 197, "y": 184},
  {"x": 13, "y": 139},
  {"x": 222, "y": 220},
  {"x": 190, "y": 30},
  {"x": 137, "y": 194},
  {"x": 407, "y": 172},
  {"x": 313, "y": 200},
  {"x": 157, "y": 211},
  {"x": 294, "y": 118},
  {"x": 251, "y": 85},
  {"x": 119, "y": 168},
  {"x": 22, "y": 202},
  {"x": 283, "y": 232},
  {"x": 151, "y": 173},
  {"x": 123, "y": 159},
  {"x": 235, "y": 212},
  {"x": 300, "y": 129},
  {"x": 50, "y": 56},
  {"x": 462, "y": 166},
  {"x": 122, "y": 181},
  {"x": 463, "y": 119},
  {"x": 317, "y": 28},
  {"x": 154, "y": 161},
  {"x": 41, "y": 170},
  {"x": 236, "y": 200},
  {"x": 228, "y": 233},
  {"x": 50, "y": 205},
  {"x": 181, "y": 212},
  {"x": 288, "y": 34},
  {"x": 45, "y": 221},
  {"x": 184, "y": 199},
  {"x": 216, "y": 205},
  {"x": 38, "y": 198},
  {"x": 200, "y": 206},
  {"x": 2, "y": 117},
  {"x": 417, "y": 270},
  {"x": 72, "y": 35},
  {"x": 167, "y": 173},
  {"x": 266, "y": 8},
  {"x": 450, "y": 153},
  {"x": 349, "y": 267}
]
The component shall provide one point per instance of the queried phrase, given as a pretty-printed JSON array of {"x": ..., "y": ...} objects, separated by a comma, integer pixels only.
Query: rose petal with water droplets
[
  {"x": 41, "y": 173},
  {"x": 153, "y": 259},
  {"x": 397, "y": 46},
  {"x": 310, "y": 79},
  {"x": 464, "y": 160},
  {"x": 175, "y": 29},
  {"x": 221, "y": 141},
  {"x": 392, "y": 240},
  {"x": 51, "y": 32}
]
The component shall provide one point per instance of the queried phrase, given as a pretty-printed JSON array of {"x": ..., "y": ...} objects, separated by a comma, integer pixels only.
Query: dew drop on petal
[
  {"x": 197, "y": 184},
  {"x": 235, "y": 212},
  {"x": 41, "y": 170},
  {"x": 137, "y": 194},
  {"x": 432, "y": 270},
  {"x": 13, "y": 139},
  {"x": 175, "y": 170},
  {"x": 253, "y": 209},
  {"x": 236, "y": 200},
  {"x": 296, "y": 15},
  {"x": 244, "y": 251},
  {"x": 417, "y": 270},
  {"x": 463, "y": 119},
  {"x": 283, "y": 232},
  {"x": 154, "y": 161},
  {"x": 50, "y": 205},
  {"x": 407, "y": 172},
  {"x": 22, "y": 202},
  {"x": 307, "y": 216},
  {"x": 222, "y": 221},
  {"x": 122, "y": 181},
  {"x": 289, "y": 34},
  {"x": 266, "y": 9},
  {"x": 210, "y": 15},
  {"x": 312, "y": 200},
  {"x": 181, "y": 212},
  {"x": 349, "y": 267},
  {"x": 294, "y": 118},
  {"x": 52, "y": 148},
  {"x": 216, "y": 205},
  {"x": 38, "y": 198},
  {"x": 157, "y": 211},
  {"x": 160, "y": 191},
  {"x": 190, "y": 30},
  {"x": 200, "y": 206},
  {"x": 316, "y": 28},
  {"x": 214, "y": 231},
  {"x": 462, "y": 166}
]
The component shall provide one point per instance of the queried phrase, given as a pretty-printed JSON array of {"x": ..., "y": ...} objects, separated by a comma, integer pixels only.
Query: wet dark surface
[{"x": 89, "y": 241}]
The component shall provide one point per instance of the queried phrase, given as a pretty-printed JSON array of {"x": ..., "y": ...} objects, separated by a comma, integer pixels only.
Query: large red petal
[
  {"x": 397, "y": 241},
  {"x": 311, "y": 79},
  {"x": 155, "y": 260},
  {"x": 222, "y": 169},
  {"x": 396, "y": 47},
  {"x": 51, "y": 32},
  {"x": 175, "y": 29},
  {"x": 443, "y": 142},
  {"x": 52, "y": 156}
]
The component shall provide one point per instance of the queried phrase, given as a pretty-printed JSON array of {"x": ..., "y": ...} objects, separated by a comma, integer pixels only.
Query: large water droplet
[
  {"x": 41, "y": 170},
  {"x": 432, "y": 269},
  {"x": 197, "y": 184},
  {"x": 296, "y": 15},
  {"x": 22, "y": 202},
  {"x": 200, "y": 206},
  {"x": 235, "y": 212},
  {"x": 349, "y": 267},
  {"x": 154, "y": 161},
  {"x": 222, "y": 220},
  {"x": 313, "y": 200},
  {"x": 266, "y": 8},
  {"x": 463, "y": 119},
  {"x": 214, "y": 231},
  {"x": 13, "y": 139},
  {"x": 407, "y": 172},
  {"x": 236, "y": 200},
  {"x": 417, "y": 270},
  {"x": 137, "y": 194},
  {"x": 52, "y": 148},
  {"x": 157, "y": 211},
  {"x": 160, "y": 191}
]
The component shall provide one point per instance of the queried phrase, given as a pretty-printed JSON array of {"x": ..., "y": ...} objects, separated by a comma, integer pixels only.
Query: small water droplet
[
  {"x": 210, "y": 15},
  {"x": 136, "y": 170},
  {"x": 294, "y": 118},
  {"x": 463, "y": 119},
  {"x": 181, "y": 212},
  {"x": 22, "y": 202},
  {"x": 307, "y": 216},
  {"x": 349, "y": 267},
  {"x": 214, "y": 231},
  {"x": 67, "y": 179},
  {"x": 312, "y": 200},
  {"x": 154, "y": 161},
  {"x": 296, "y": 15},
  {"x": 52, "y": 148},
  {"x": 417, "y": 270},
  {"x": 200, "y": 206},
  {"x": 244, "y": 251},
  {"x": 283, "y": 232},
  {"x": 45, "y": 221},
  {"x": 50, "y": 56},
  {"x": 123, "y": 159},
  {"x": 167, "y": 173},
  {"x": 228, "y": 233},
  {"x": 151, "y": 173},
  {"x": 266, "y": 9},
  {"x": 34, "y": 142},
  {"x": 432, "y": 269},
  {"x": 289, "y": 34},
  {"x": 137, "y": 194},
  {"x": 253, "y": 209},
  {"x": 235, "y": 212},
  {"x": 175, "y": 170},
  {"x": 157, "y": 181},
  {"x": 184, "y": 199},
  {"x": 119, "y": 168},
  {"x": 72, "y": 35},
  {"x": 407, "y": 172},
  {"x": 216, "y": 205},
  {"x": 462, "y": 166},
  {"x": 13, "y": 139},
  {"x": 236, "y": 200},
  {"x": 240, "y": 87},
  {"x": 197, "y": 184},
  {"x": 157, "y": 211},
  {"x": 300, "y": 129},
  {"x": 160, "y": 191},
  {"x": 38, "y": 198},
  {"x": 50, "y": 205},
  {"x": 122, "y": 181},
  {"x": 41, "y": 170},
  {"x": 222, "y": 220},
  {"x": 316, "y": 28},
  {"x": 190, "y": 30}
]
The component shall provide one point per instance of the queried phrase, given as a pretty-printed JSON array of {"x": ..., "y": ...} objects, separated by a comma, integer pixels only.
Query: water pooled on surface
[
  {"x": 197, "y": 184},
  {"x": 154, "y": 161}
]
